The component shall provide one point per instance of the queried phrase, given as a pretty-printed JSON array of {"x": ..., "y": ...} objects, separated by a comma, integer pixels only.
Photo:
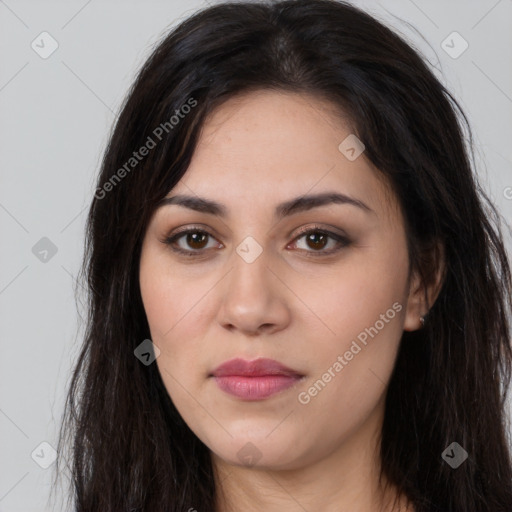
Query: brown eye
[
  {"x": 196, "y": 240},
  {"x": 190, "y": 242},
  {"x": 317, "y": 240}
]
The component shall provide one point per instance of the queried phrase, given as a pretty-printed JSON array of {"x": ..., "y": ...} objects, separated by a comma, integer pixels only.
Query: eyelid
[
  {"x": 342, "y": 240},
  {"x": 317, "y": 227},
  {"x": 171, "y": 239}
]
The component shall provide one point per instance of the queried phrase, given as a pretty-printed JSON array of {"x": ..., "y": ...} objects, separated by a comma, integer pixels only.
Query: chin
[{"x": 261, "y": 451}]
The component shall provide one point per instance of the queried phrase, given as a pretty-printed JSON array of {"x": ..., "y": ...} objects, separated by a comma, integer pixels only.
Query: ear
[{"x": 422, "y": 295}]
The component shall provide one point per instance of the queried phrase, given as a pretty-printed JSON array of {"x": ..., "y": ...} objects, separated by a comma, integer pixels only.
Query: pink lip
[{"x": 254, "y": 380}]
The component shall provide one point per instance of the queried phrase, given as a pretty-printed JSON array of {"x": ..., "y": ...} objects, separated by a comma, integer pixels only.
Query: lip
[
  {"x": 256, "y": 368},
  {"x": 254, "y": 380}
]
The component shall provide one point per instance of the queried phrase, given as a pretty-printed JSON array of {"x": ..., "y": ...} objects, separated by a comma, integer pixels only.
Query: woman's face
[{"x": 330, "y": 306}]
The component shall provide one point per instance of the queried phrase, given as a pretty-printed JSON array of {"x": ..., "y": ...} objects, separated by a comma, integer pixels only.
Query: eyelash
[{"x": 340, "y": 239}]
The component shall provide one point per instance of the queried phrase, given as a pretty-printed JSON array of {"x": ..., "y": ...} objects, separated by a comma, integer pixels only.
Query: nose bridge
[
  {"x": 251, "y": 261},
  {"x": 251, "y": 298}
]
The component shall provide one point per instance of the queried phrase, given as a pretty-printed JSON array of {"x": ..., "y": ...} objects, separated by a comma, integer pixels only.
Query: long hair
[{"x": 129, "y": 449}]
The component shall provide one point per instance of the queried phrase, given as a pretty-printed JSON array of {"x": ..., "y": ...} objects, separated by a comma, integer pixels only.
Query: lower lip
[{"x": 255, "y": 388}]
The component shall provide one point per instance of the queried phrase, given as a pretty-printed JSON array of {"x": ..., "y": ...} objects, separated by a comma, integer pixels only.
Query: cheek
[
  {"x": 175, "y": 307},
  {"x": 353, "y": 297},
  {"x": 362, "y": 312},
  {"x": 174, "y": 331},
  {"x": 170, "y": 299}
]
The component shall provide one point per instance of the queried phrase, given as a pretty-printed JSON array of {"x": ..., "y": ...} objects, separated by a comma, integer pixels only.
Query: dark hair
[{"x": 130, "y": 449}]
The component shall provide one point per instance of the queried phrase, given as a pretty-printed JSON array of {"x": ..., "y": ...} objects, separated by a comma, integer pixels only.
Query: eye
[
  {"x": 317, "y": 239},
  {"x": 194, "y": 238},
  {"x": 193, "y": 242}
]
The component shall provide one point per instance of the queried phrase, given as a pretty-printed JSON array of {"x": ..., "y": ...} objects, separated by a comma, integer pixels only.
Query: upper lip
[{"x": 257, "y": 368}]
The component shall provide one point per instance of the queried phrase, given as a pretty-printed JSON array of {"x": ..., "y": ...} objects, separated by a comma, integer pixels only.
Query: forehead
[{"x": 268, "y": 146}]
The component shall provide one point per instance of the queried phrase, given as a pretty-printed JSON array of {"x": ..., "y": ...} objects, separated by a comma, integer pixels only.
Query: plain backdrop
[{"x": 56, "y": 113}]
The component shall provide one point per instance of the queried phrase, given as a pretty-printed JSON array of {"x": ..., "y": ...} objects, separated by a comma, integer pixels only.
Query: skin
[{"x": 256, "y": 151}]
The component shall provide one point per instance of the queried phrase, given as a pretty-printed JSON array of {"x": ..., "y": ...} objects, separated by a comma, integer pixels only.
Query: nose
[{"x": 254, "y": 297}]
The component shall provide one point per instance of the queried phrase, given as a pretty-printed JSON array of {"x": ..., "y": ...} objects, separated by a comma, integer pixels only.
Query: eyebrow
[{"x": 290, "y": 207}]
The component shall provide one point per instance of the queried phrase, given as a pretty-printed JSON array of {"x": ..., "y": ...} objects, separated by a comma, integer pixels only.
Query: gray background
[{"x": 55, "y": 117}]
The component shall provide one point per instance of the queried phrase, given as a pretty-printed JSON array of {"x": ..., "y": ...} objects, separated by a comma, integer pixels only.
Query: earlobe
[
  {"x": 415, "y": 308},
  {"x": 423, "y": 296}
]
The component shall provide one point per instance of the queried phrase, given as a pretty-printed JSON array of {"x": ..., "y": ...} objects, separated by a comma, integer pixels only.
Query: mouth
[{"x": 254, "y": 380}]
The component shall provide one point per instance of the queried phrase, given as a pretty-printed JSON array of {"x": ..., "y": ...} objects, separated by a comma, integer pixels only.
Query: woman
[{"x": 299, "y": 294}]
